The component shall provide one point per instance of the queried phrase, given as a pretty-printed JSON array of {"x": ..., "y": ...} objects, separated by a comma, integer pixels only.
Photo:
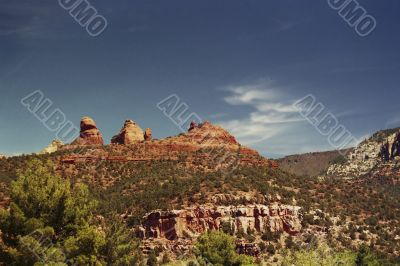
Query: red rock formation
[
  {"x": 148, "y": 134},
  {"x": 90, "y": 134},
  {"x": 206, "y": 147},
  {"x": 209, "y": 134},
  {"x": 190, "y": 223},
  {"x": 131, "y": 133},
  {"x": 192, "y": 126}
]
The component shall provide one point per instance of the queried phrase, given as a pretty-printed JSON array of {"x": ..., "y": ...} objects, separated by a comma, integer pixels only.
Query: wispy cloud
[
  {"x": 273, "y": 125},
  {"x": 31, "y": 19},
  {"x": 272, "y": 114}
]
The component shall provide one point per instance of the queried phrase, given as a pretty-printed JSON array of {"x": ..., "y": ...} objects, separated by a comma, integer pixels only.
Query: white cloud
[
  {"x": 271, "y": 111},
  {"x": 249, "y": 132},
  {"x": 274, "y": 126},
  {"x": 248, "y": 95},
  {"x": 274, "y": 117}
]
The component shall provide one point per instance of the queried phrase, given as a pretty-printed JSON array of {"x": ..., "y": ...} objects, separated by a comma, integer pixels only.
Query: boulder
[
  {"x": 89, "y": 133},
  {"x": 131, "y": 133}
]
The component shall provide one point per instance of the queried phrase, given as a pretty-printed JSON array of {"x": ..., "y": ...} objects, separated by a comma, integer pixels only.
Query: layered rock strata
[
  {"x": 89, "y": 133},
  {"x": 130, "y": 133},
  {"x": 190, "y": 223}
]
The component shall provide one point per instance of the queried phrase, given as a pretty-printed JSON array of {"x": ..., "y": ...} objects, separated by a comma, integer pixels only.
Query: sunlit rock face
[
  {"x": 89, "y": 133},
  {"x": 130, "y": 133},
  {"x": 54, "y": 146},
  {"x": 376, "y": 156},
  {"x": 190, "y": 223}
]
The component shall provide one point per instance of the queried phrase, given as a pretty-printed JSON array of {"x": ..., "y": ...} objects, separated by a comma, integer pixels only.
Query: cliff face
[
  {"x": 190, "y": 223},
  {"x": 375, "y": 156},
  {"x": 177, "y": 230},
  {"x": 391, "y": 149}
]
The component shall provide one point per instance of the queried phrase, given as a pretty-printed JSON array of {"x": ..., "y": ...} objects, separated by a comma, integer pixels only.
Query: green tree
[
  {"x": 152, "y": 259},
  {"x": 121, "y": 247},
  {"x": 271, "y": 249},
  {"x": 365, "y": 257},
  {"x": 289, "y": 243},
  {"x": 50, "y": 222},
  {"x": 320, "y": 256},
  {"x": 218, "y": 248}
]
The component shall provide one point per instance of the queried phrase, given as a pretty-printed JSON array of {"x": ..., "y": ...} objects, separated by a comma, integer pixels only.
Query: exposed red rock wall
[
  {"x": 194, "y": 154},
  {"x": 190, "y": 223}
]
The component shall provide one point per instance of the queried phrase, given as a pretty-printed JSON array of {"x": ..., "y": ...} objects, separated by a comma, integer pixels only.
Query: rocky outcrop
[
  {"x": 89, "y": 133},
  {"x": 206, "y": 147},
  {"x": 2, "y": 156},
  {"x": 54, "y": 146},
  {"x": 148, "y": 136},
  {"x": 391, "y": 148},
  {"x": 209, "y": 134},
  {"x": 190, "y": 223},
  {"x": 395, "y": 146},
  {"x": 131, "y": 133},
  {"x": 381, "y": 151}
]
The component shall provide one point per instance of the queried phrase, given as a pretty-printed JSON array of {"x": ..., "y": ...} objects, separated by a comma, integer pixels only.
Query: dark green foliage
[
  {"x": 271, "y": 249},
  {"x": 51, "y": 222},
  {"x": 218, "y": 248},
  {"x": 366, "y": 258},
  {"x": 121, "y": 247},
  {"x": 270, "y": 236},
  {"x": 152, "y": 259},
  {"x": 289, "y": 242},
  {"x": 227, "y": 228}
]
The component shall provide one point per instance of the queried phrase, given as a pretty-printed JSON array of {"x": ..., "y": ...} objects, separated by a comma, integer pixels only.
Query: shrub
[
  {"x": 320, "y": 256},
  {"x": 218, "y": 249}
]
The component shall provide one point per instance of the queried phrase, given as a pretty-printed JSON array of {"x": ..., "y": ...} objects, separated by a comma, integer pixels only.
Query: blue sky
[{"x": 240, "y": 64}]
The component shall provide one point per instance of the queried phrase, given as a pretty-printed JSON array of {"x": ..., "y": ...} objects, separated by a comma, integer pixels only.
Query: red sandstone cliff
[{"x": 191, "y": 222}]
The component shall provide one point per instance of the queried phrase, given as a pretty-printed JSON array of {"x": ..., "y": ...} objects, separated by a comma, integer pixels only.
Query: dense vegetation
[
  {"x": 350, "y": 212},
  {"x": 218, "y": 249},
  {"x": 51, "y": 222}
]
